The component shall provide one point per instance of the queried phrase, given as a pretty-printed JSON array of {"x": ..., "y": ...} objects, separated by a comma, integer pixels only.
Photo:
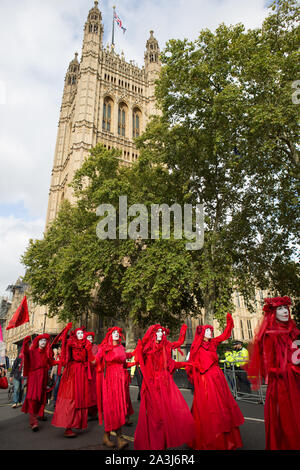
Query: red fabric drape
[
  {"x": 113, "y": 397},
  {"x": 21, "y": 315},
  {"x": 36, "y": 367},
  {"x": 165, "y": 420},
  {"x": 72, "y": 402},
  {"x": 271, "y": 360},
  {"x": 216, "y": 414}
]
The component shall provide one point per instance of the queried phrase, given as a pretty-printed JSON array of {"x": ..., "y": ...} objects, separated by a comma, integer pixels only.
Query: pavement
[{"x": 16, "y": 434}]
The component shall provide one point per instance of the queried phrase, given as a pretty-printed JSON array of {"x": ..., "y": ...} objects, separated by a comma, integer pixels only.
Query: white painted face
[
  {"x": 159, "y": 334},
  {"x": 208, "y": 333},
  {"x": 42, "y": 343},
  {"x": 79, "y": 334},
  {"x": 282, "y": 313},
  {"x": 89, "y": 338},
  {"x": 115, "y": 335}
]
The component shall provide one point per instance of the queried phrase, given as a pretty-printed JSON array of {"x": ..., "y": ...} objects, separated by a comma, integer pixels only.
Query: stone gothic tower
[
  {"x": 152, "y": 68},
  {"x": 105, "y": 99}
]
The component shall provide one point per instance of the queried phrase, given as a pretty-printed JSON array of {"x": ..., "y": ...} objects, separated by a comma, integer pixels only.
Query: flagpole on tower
[{"x": 113, "y": 27}]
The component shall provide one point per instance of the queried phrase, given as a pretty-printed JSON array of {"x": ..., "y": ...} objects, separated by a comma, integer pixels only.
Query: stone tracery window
[
  {"x": 122, "y": 115},
  {"x": 107, "y": 114},
  {"x": 136, "y": 122}
]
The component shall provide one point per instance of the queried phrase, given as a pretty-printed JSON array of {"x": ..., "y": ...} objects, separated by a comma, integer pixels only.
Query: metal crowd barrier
[
  {"x": 236, "y": 379},
  {"x": 240, "y": 386}
]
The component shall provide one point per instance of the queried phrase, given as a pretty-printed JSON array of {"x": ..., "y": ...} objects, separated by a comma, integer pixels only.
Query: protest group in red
[{"x": 95, "y": 380}]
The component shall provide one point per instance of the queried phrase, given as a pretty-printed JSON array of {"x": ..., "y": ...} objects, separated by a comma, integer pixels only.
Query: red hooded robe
[
  {"x": 216, "y": 414},
  {"x": 273, "y": 357},
  {"x": 112, "y": 391},
  {"x": 71, "y": 410},
  {"x": 92, "y": 402},
  {"x": 165, "y": 420},
  {"x": 36, "y": 364}
]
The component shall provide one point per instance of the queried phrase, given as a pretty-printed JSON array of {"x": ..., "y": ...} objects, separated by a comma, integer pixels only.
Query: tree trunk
[
  {"x": 130, "y": 337},
  {"x": 208, "y": 308}
]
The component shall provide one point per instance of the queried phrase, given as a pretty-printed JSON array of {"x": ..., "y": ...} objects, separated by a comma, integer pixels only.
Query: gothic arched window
[
  {"x": 122, "y": 119},
  {"x": 136, "y": 122},
  {"x": 107, "y": 113}
]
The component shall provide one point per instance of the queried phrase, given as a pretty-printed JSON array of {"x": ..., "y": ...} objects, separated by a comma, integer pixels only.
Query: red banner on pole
[{"x": 21, "y": 316}]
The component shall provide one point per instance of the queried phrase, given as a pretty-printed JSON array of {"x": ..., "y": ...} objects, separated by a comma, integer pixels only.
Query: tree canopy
[{"x": 227, "y": 138}]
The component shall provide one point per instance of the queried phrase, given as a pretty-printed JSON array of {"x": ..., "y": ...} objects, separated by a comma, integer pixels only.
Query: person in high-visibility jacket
[
  {"x": 241, "y": 357},
  {"x": 229, "y": 358}
]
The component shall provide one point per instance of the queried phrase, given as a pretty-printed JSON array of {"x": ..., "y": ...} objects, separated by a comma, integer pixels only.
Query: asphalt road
[{"x": 15, "y": 433}]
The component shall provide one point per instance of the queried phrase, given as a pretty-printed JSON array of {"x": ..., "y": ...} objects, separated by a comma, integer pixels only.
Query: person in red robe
[
  {"x": 92, "y": 405},
  {"x": 111, "y": 387},
  {"x": 273, "y": 358},
  {"x": 71, "y": 410},
  {"x": 216, "y": 414},
  {"x": 165, "y": 420},
  {"x": 37, "y": 360}
]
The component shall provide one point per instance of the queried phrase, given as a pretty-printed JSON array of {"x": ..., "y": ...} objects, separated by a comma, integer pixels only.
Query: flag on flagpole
[
  {"x": 119, "y": 22},
  {"x": 1, "y": 335},
  {"x": 21, "y": 315}
]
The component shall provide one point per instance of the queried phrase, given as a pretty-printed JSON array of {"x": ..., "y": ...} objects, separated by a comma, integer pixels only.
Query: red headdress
[
  {"x": 198, "y": 340},
  {"x": 34, "y": 345},
  {"x": 107, "y": 343},
  {"x": 35, "y": 342},
  {"x": 80, "y": 328},
  {"x": 149, "y": 340},
  {"x": 257, "y": 366},
  {"x": 74, "y": 341},
  {"x": 89, "y": 333}
]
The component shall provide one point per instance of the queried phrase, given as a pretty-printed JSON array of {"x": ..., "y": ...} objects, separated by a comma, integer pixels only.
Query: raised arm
[
  {"x": 227, "y": 332},
  {"x": 64, "y": 348},
  {"x": 180, "y": 341}
]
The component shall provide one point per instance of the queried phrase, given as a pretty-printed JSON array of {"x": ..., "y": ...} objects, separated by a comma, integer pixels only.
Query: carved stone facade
[{"x": 105, "y": 99}]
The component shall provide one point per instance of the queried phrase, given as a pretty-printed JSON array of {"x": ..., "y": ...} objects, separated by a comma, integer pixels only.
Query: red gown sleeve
[
  {"x": 227, "y": 332},
  {"x": 26, "y": 355},
  {"x": 271, "y": 363},
  {"x": 99, "y": 359},
  {"x": 89, "y": 348},
  {"x": 180, "y": 341},
  {"x": 130, "y": 355}
]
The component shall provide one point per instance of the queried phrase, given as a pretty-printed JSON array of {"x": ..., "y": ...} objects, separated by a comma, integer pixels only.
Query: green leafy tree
[
  {"x": 138, "y": 281},
  {"x": 228, "y": 135}
]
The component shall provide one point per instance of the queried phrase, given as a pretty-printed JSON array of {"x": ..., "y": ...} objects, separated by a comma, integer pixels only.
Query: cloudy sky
[{"x": 38, "y": 39}]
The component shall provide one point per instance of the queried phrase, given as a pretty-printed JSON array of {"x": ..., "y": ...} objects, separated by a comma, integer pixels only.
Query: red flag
[{"x": 21, "y": 316}]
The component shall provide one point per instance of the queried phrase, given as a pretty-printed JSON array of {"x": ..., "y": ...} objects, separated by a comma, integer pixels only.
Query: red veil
[
  {"x": 107, "y": 345},
  {"x": 258, "y": 362},
  {"x": 199, "y": 336},
  {"x": 34, "y": 345}
]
